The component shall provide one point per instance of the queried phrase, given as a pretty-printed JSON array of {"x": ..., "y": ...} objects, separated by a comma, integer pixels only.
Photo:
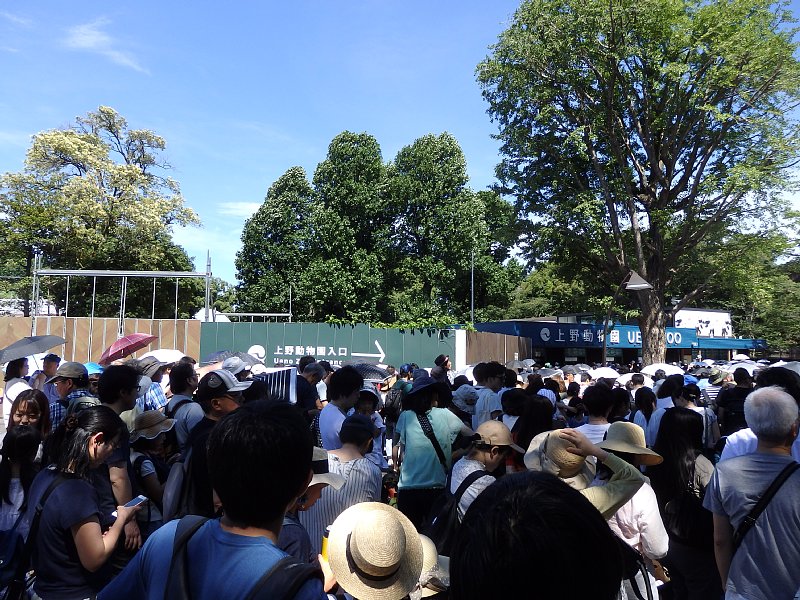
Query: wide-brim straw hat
[
  {"x": 150, "y": 424},
  {"x": 547, "y": 453},
  {"x": 623, "y": 436},
  {"x": 435, "y": 576},
  {"x": 375, "y": 552}
]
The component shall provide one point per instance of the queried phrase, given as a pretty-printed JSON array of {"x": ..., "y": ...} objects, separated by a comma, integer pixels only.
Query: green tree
[
  {"x": 276, "y": 245},
  {"x": 96, "y": 196},
  {"x": 634, "y": 132}
]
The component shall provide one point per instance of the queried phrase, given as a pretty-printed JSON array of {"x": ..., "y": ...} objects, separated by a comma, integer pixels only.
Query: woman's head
[
  {"x": 16, "y": 368},
  {"x": 88, "y": 438},
  {"x": 689, "y": 394},
  {"x": 31, "y": 407},
  {"x": 671, "y": 387},
  {"x": 680, "y": 431},
  {"x": 645, "y": 400}
]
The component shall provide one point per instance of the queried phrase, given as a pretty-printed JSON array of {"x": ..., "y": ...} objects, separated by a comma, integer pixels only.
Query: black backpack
[
  {"x": 444, "y": 523},
  {"x": 281, "y": 582},
  {"x": 179, "y": 489},
  {"x": 393, "y": 404}
]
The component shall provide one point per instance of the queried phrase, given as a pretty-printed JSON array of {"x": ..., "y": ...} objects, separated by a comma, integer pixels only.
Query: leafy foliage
[
  {"x": 635, "y": 132},
  {"x": 380, "y": 243},
  {"x": 95, "y": 196}
]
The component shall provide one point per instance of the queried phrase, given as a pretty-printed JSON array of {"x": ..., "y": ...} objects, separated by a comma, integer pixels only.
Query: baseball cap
[
  {"x": 319, "y": 465},
  {"x": 495, "y": 433},
  {"x": 220, "y": 382},
  {"x": 235, "y": 365},
  {"x": 69, "y": 370}
]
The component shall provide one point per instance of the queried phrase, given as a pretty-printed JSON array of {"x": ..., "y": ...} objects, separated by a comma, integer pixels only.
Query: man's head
[
  {"x": 598, "y": 400},
  {"x": 637, "y": 380},
  {"x": 772, "y": 415},
  {"x": 405, "y": 370},
  {"x": 344, "y": 387},
  {"x": 530, "y": 522},
  {"x": 183, "y": 378},
  {"x": 259, "y": 462},
  {"x": 151, "y": 367},
  {"x": 119, "y": 383},
  {"x": 69, "y": 376},
  {"x": 494, "y": 375},
  {"x": 237, "y": 367},
  {"x": 742, "y": 377},
  {"x": 314, "y": 373},
  {"x": 443, "y": 361},
  {"x": 220, "y": 393},
  {"x": 50, "y": 364},
  {"x": 304, "y": 362}
]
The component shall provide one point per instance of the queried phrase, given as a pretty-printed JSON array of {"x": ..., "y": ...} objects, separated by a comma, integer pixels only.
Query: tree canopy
[
  {"x": 634, "y": 132},
  {"x": 96, "y": 196},
  {"x": 380, "y": 242}
]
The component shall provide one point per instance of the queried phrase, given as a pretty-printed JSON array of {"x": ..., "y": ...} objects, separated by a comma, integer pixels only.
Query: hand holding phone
[{"x": 133, "y": 503}]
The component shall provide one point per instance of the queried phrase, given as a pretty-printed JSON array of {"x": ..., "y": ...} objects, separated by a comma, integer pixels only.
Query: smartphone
[{"x": 135, "y": 502}]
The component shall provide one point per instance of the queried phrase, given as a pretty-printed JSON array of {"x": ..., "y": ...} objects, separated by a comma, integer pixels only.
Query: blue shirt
[{"x": 223, "y": 565}]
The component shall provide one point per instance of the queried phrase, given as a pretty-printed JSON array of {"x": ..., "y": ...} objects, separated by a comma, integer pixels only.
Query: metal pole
[
  {"x": 208, "y": 283},
  {"x": 175, "y": 322},
  {"x": 66, "y": 302},
  {"x": 91, "y": 320},
  {"x": 472, "y": 288},
  {"x": 35, "y": 292},
  {"x": 153, "y": 312},
  {"x": 290, "y": 303}
]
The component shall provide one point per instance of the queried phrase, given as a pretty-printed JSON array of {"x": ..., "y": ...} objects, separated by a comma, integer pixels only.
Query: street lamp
[{"x": 632, "y": 282}]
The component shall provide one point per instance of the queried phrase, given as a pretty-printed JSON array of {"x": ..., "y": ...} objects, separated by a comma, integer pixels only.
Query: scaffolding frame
[{"x": 38, "y": 272}]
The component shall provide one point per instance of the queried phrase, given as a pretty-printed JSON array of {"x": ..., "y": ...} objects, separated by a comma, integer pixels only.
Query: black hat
[{"x": 441, "y": 359}]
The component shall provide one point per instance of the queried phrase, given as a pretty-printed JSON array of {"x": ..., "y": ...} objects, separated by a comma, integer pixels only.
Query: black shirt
[{"x": 203, "y": 501}]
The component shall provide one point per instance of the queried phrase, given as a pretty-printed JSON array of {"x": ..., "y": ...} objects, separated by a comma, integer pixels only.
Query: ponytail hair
[{"x": 70, "y": 440}]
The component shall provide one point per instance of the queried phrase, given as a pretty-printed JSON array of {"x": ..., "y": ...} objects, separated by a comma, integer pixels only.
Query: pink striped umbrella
[{"x": 125, "y": 346}]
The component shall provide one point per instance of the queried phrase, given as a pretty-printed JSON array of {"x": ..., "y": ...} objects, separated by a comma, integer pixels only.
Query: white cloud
[
  {"x": 91, "y": 38},
  {"x": 16, "y": 20},
  {"x": 9, "y": 49},
  {"x": 238, "y": 209},
  {"x": 15, "y": 138}
]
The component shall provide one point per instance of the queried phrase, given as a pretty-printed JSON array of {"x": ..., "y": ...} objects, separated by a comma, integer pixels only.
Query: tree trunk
[{"x": 652, "y": 324}]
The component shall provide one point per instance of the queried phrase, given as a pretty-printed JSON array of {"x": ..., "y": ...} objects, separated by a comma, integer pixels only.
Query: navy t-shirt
[
  {"x": 59, "y": 573},
  {"x": 101, "y": 480}
]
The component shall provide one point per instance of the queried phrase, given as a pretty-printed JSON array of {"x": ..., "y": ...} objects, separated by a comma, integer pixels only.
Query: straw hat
[
  {"x": 623, "y": 436},
  {"x": 548, "y": 453},
  {"x": 378, "y": 567},
  {"x": 435, "y": 575},
  {"x": 150, "y": 424}
]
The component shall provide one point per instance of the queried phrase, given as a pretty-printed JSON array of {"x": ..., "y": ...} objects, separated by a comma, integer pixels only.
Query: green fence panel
[{"x": 285, "y": 343}]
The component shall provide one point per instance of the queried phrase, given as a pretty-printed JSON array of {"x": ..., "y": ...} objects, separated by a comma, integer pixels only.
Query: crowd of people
[{"x": 560, "y": 485}]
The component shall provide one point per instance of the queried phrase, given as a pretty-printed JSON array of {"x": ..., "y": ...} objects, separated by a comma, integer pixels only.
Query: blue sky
[{"x": 243, "y": 91}]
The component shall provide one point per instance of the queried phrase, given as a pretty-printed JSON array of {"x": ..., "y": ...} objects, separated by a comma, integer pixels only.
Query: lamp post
[{"x": 633, "y": 282}]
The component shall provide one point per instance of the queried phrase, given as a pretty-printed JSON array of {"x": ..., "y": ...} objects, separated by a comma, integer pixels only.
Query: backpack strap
[
  {"x": 427, "y": 429},
  {"x": 27, "y": 549},
  {"x": 177, "y": 587},
  {"x": 171, "y": 413},
  {"x": 468, "y": 481},
  {"x": 750, "y": 520},
  {"x": 284, "y": 580}
]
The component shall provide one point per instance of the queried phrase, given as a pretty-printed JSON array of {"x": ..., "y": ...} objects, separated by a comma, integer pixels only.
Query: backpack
[
  {"x": 281, "y": 582},
  {"x": 178, "y": 498},
  {"x": 161, "y": 468},
  {"x": 444, "y": 524},
  {"x": 12, "y": 544},
  {"x": 632, "y": 565},
  {"x": 393, "y": 404}
]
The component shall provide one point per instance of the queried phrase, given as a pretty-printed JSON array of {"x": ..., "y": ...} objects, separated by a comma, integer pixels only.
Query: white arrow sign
[{"x": 380, "y": 356}]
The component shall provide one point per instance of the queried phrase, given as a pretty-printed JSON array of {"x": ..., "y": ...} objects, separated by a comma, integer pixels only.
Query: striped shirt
[{"x": 362, "y": 484}]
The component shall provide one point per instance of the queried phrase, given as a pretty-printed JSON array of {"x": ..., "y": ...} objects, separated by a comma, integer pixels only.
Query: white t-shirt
[
  {"x": 488, "y": 402},
  {"x": 744, "y": 442},
  {"x": 595, "y": 433}
]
